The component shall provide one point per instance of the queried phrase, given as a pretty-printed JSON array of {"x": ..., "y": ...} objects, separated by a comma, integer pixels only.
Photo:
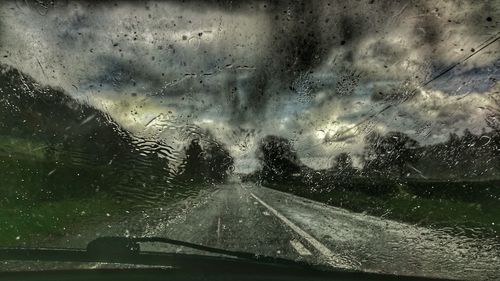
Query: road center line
[{"x": 330, "y": 257}]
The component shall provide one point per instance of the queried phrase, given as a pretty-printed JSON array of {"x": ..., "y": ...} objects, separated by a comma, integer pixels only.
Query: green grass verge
[
  {"x": 42, "y": 198},
  {"x": 480, "y": 218},
  {"x": 44, "y": 220}
]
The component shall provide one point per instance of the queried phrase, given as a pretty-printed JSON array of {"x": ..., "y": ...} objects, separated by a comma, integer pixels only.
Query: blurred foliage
[
  {"x": 209, "y": 164},
  {"x": 59, "y": 156},
  {"x": 452, "y": 184}
]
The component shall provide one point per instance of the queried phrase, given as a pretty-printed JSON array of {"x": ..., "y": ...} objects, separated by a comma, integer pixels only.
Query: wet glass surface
[{"x": 362, "y": 135}]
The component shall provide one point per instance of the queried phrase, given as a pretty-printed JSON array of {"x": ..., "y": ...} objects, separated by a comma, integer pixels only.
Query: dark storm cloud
[
  {"x": 481, "y": 79},
  {"x": 120, "y": 74}
]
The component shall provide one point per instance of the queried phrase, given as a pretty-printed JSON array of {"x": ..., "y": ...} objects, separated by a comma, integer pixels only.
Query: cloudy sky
[{"x": 322, "y": 73}]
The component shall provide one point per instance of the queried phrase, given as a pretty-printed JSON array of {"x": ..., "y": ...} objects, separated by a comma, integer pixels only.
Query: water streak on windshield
[{"x": 361, "y": 135}]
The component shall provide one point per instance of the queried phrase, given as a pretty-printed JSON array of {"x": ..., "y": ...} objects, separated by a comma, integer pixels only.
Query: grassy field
[
  {"x": 44, "y": 220},
  {"x": 41, "y": 198},
  {"x": 480, "y": 218}
]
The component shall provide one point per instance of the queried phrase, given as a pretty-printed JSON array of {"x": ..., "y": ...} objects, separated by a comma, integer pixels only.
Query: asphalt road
[{"x": 245, "y": 217}]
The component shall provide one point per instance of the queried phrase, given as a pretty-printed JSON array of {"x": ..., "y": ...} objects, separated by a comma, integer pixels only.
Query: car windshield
[{"x": 361, "y": 135}]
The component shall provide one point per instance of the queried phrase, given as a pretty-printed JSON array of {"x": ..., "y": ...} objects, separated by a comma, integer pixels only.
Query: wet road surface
[{"x": 250, "y": 218}]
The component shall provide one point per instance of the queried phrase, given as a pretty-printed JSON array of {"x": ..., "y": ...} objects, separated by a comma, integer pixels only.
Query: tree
[
  {"x": 220, "y": 162},
  {"x": 194, "y": 167},
  {"x": 450, "y": 153},
  {"x": 390, "y": 154},
  {"x": 209, "y": 164},
  {"x": 342, "y": 166},
  {"x": 278, "y": 158}
]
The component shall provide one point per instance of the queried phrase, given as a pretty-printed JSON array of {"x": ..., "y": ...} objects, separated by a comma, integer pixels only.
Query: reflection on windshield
[{"x": 361, "y": 135}]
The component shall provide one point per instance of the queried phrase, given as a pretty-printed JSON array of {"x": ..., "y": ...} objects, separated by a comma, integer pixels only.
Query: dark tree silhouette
[
  {"x": 220, "y": 162},
  {"x": 450, "y": 152},
  {"x": 195, "y": 166},
  {"x": 278, "y": 158},
  {"x": 342, "y": 166},
  {"x": 467, "y": 156},
  {"x": 391, "y": 154},
  {"x": 209, "y": 164}
]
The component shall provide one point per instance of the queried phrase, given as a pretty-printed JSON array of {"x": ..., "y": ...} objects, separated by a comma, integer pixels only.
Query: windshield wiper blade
[
  {"x": 123, "y": 250},
  {"x": 126, "y": 246},
  {"x": 127, "y": 250}
]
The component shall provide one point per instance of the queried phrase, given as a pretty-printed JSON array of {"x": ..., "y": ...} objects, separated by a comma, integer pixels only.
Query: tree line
[{"x": 394, "y": 157}]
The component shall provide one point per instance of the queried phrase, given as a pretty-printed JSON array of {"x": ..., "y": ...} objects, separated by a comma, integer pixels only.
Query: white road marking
[
  {"x": 301, "y": 249},
  {"x": 218, "y": 229},
  {"x": 331, "y": 258}
]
